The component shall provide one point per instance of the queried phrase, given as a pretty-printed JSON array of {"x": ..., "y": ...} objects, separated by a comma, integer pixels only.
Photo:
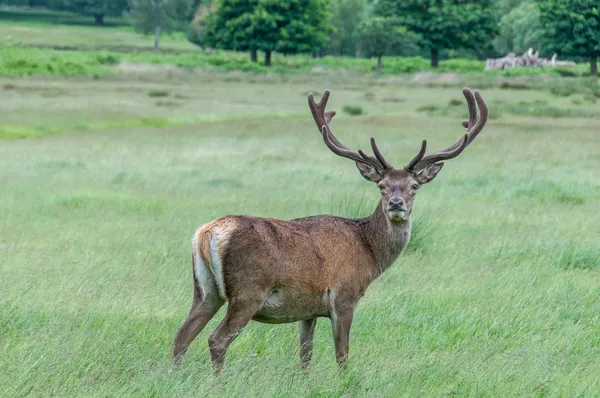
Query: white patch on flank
[
  {"x": 273, "y": 300},
  {"x": 215, "y": 261},
  {"x": 329, "y": 297},
  {"x": 203, "y": 274}
]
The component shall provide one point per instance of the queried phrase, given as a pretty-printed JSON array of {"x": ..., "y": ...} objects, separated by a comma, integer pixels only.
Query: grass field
[
  {"x": 104, "y": 177},
  {"x": 44, "y": 28},
  {"x": 498, "y": 294}
]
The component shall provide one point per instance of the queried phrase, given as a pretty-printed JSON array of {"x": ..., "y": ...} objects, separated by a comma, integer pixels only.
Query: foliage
[
  {"x": 15, "y": 61},
  {"x": 449, "y": 24},
  {"x": 572, "y": 27},
  {"x": 346, "y": 16},
  {"x": 19, "y": 61},
  {"x": 287, "y": 27},
  {"x": 202, "y": 30},
  {"x": 506, "y": 6},
  {"x": 520, "y": 29},
  {"x": 28, "y": 3},
  {"x": 168, "y": 15},
  {"x": 353, "y": 110},
  {"x": 380, "y": 36},
  {"x": 96, "y": 8}
]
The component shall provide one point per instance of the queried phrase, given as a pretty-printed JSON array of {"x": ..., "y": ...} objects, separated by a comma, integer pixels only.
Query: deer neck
[{"x": 386, "y": 239}]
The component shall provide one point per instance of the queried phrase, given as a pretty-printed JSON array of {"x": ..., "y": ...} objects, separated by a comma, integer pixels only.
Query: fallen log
[{"x": 527, "y": 60}]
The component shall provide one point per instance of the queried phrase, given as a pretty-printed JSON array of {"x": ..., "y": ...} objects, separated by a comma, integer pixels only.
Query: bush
[
  {"x": 108, "y": 59},
  {"x": 158, "y": 93},
  {"x": 353, "y": 110},
  {"x": 562, "y": 91}
]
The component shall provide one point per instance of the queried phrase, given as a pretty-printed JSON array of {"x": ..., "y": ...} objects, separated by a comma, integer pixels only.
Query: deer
[{"x": 280, "y": 271}]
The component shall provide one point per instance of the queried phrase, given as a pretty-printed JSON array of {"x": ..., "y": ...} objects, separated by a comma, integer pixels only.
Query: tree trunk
[
  {"x": 99, "y": 19},
  {"x": 434, "y": 57},
  {"x": 594, "y": 66},
  {"x": 156, "y": 36},
  {"x": 254, "y": 56},
  {"x": 267, "y": 58},
  {"x": 378, "y": 70}
]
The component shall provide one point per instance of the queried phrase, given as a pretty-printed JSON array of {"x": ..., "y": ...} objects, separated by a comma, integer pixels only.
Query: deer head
[{"x": 399, "y": 186}]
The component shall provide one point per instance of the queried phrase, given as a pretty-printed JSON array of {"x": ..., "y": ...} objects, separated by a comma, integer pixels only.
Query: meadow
[{"x": 104, "y": 179}]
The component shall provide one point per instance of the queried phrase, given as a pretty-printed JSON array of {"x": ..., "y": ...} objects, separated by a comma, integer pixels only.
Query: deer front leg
[
  {"x": 307, "y": 331},
  {"x": 340, "y": 324}
]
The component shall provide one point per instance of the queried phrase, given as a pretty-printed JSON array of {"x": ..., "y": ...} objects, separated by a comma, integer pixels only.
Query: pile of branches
[{"x": 527, "y": 60}]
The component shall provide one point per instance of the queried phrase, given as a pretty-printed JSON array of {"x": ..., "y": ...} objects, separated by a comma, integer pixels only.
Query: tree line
[{"x": 364, "y": 28}]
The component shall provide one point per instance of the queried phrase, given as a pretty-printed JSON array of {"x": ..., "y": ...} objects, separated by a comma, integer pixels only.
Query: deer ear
[
  {"x": 368, "y": 172},
  {"x": 429, "y": 173}
]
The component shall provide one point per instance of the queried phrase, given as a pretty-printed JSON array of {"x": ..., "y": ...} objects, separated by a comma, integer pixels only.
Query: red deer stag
[{"x": 276, "y": 271}]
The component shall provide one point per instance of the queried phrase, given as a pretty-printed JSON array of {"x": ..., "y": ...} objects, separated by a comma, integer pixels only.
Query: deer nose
[{"x": 396, "y": 202}]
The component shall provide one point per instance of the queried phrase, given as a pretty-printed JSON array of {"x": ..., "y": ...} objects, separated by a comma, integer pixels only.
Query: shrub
[
  {"x": 562, "y": 91},
  {"x": 158, "y": 93},
  {"x": 108, "y": 59},
  {"x": 353, "y": 110}
]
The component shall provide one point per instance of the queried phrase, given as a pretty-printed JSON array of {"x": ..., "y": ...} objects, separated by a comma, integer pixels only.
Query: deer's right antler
[
  {"x": 474, "y": 126},
  {"x": 322, "y": 119}
]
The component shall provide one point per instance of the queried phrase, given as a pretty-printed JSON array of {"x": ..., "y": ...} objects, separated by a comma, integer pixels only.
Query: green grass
[
  {"x": 62, "y": 29},
  {"x": 497, "y": 294},
  {"x": 19, "y": 60}
]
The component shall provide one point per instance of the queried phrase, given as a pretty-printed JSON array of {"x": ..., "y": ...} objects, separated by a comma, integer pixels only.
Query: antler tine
[
  {"x": 322, "y": 120},
  {"x": 386, "y": 165},
  {"x": 471, "y": 106},
  {"x": 474, "y": 126},
  {"x": 321, "y": 117},
  {"x": 418, "y": 157}
]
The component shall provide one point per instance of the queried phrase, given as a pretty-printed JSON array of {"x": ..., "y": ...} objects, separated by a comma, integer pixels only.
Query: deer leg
[
  {"x": 340, "y": 323},
  {"x": 239, "y": 313},
  {"x": 307, "y": 331},
  {"x": 200, "y": 314}
]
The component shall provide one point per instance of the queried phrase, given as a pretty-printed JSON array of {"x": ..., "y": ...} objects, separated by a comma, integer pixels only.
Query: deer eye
[{"x": 415, "y": 187}]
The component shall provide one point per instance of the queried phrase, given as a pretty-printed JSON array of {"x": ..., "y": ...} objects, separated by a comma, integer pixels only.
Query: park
[{"x": 114, "y": 150}]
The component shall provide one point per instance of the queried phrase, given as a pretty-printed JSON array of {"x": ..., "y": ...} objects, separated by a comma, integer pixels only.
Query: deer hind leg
[
  {"x": 205, "y": 305},
  {"x": 307, "y": 331},
  {"x": 239, "y": 312}
]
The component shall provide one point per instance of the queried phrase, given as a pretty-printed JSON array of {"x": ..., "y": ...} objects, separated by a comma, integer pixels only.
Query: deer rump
[{"x": 297, "y": 266}]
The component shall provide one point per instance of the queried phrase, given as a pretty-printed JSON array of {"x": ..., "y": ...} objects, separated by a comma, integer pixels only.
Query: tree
[
  {"x": 506, "y": 6},
  {"x": 346, "y": 15},
  {"x": 156, "y": 16},
  {"x": 444, "y": 24},
  {"x": 95, "y": 8},
  {"x": 572, "y": 27},
  {"x": 380, "y": 36},
  {"x": 520, "y": 30},
  {"x": 287, "y": 26}
]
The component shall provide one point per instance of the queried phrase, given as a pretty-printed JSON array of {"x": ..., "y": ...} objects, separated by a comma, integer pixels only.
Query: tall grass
[{"x": 496, "y": 295}]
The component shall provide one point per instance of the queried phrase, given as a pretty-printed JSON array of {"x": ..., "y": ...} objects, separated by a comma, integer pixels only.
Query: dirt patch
[
  {"x": 143, "y": 68},
  {"x": 431, "y": 77}
]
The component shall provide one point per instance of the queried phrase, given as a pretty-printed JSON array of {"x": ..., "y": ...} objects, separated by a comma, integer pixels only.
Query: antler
[
  {"x": 322, "y": 120},
  {"x": 474, "y": 126}
]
